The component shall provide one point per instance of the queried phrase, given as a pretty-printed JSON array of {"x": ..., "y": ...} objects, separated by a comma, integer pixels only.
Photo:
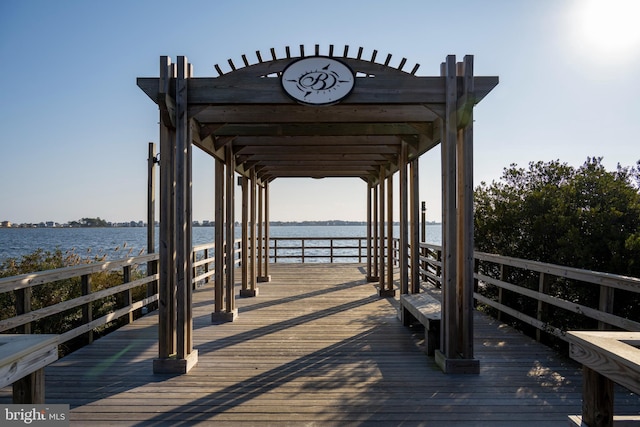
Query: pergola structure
[{"x": 314, "y": 116}]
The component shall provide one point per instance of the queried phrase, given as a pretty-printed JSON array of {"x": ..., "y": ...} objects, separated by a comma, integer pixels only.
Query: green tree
[{"x": 584, "y": 217}]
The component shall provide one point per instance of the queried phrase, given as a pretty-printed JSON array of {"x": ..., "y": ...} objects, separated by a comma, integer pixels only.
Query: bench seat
[{"x": 426, "y": 310}]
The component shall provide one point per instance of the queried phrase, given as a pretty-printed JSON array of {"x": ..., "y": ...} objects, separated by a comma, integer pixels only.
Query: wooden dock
[{"x": 318, "y": 346}]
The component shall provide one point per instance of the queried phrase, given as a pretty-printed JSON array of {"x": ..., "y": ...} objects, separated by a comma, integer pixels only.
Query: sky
[{"x": 75, "y": 128}]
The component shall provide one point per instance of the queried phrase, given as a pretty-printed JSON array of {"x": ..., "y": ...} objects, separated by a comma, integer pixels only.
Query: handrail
[
  {"x": 337, "y": 248},
  {"x": 497, "y": 280},
  {"x": 516, "y": 276},
  {"x": 135, "y": 295}
]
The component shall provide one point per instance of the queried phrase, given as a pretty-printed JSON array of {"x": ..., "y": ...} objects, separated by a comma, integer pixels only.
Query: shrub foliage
[{"x": 585, "y": 217}]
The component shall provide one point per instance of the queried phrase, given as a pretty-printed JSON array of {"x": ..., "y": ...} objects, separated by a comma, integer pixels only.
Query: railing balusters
[
  {"x": 500, "y": 271},
  {"x": 126, "y": 295},
  {"x": 87, "y": 309},
  {"x": 23, "y": 306}
]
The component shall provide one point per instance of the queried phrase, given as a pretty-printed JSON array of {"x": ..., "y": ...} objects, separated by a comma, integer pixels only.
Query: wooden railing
[
  {"x": 203, "y": 258},
  {"x": 529, "y": 291},
  {"x": 119, "y": 298},
  {"x": 87, "y": 308},
  {"x": 536, "y": 293},
  {"x": 318, "y": 249}
]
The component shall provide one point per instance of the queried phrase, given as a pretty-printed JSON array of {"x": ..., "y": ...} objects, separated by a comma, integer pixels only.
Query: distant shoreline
[{"x": 132, "y": 224}]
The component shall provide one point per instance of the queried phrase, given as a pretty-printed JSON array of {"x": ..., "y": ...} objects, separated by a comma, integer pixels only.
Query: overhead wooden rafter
[{"x": 276, "y": 137}]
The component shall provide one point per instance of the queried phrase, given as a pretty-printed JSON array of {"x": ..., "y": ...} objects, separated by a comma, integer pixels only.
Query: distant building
[{"x": 5, "y": 224}]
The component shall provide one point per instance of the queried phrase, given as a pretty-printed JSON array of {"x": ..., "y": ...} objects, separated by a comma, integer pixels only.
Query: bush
[{"x": 63, "y": 290}]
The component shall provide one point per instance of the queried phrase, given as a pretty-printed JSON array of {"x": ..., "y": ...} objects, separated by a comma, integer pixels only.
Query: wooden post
[
  {"x": 504, "y": 274},
  {"x": 218, "y": 274},
  {"x": 389, "y": 290},
  {"x": 245, "y": 235},
  {"x": 152, "y": 266},
  {"x": 381, "y": 259},
  {"x": 29, "y": 389},
  {"x": 185, "y": 356},
  {"x": 87, "y": 309},
  {"x": 263, "y": 233},
  {"x": 403, "y": 256},
  {"x": 267, "y": 276},
  {"x": 372, "y": 232},
  {"x": 414, "y": 195},
  {"x": 127, "y": 298},
  {"x": 166, "y": 291},
  {"x": 605, "y": 304},
  {"x": 176, "y": 354},
  {"x": 23, "y": 306},
  {"x": 456, "y": 350},
  {"x": 260, "y": 231},
  {"x": 465, "y": 208},
  {"x": 542, "y": 311},
  {"x": 252, "y": 291},
  {"x": 183, "y": 252},
  {"x": 376, "y": 228},
  {"x": 424, "y": 222},
  {"x": 597, "y": 399},
  {"x": 232, "y": 311}
]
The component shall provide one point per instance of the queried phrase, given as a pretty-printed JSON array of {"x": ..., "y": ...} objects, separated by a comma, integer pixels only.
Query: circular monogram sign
[{"x": 318, "y": 80}]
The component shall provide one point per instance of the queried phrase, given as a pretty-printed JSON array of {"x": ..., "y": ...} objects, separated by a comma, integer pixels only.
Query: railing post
[
  {"x": 503, "y": 274},
  {"x": 605, "y": 304},
  {"x": 597, "y": 399},
  {"x": 275, "y": 251},
  {"x": 152, "y": 266},
  {"x": 439, "y": 268},
  {"x": 206, "y": 265},
  {"x": 302, "y": 248},
  {"x": 23, "y": 306},
  {"x": 128, "y": 300},
  {"x": 87, "y": 309},
  {"x": 194, "y": 273},
  {"x": 331, "y": 250},
  {"x": 543, "y": 309}
]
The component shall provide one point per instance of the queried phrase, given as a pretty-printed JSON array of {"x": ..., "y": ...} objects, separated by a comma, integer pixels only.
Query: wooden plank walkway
[{"x": 316, "y": 347}]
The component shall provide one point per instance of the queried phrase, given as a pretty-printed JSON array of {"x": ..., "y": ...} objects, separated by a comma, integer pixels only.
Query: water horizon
[{"x": 121, "y": 242}]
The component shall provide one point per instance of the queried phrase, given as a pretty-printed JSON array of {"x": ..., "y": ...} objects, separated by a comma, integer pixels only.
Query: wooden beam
[
  {"x": 414, "y": 90},
  {"x": 297, "y": 150},
  {"x": 248, "y": 113},
  {"x": 315, "y": 140},
  {"x": 317, "y": 129}
]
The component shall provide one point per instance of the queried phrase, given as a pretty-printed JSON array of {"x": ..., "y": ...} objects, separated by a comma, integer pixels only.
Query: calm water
[{"x": 121, "y": 242}]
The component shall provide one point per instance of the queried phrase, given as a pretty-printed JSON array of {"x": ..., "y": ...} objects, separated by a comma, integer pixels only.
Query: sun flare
[{"x": 607, "y": 29}]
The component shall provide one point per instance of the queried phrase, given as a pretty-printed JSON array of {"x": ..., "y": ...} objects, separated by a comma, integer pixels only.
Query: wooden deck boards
[{"x": 316, "y": 347}]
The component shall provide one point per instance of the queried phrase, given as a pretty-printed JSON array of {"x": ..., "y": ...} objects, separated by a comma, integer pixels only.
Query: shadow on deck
[{"x": 316, "y": 347}]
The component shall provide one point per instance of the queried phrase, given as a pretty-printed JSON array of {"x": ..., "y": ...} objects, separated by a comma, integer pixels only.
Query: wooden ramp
[{"x": 316, "y": 347}]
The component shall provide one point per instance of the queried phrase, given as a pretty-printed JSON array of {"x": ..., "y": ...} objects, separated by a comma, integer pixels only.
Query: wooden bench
[
  {"x": 22, "y": 362},
  {"x": 606, "y": 357},
  {"x": 425, "y": 309}
]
